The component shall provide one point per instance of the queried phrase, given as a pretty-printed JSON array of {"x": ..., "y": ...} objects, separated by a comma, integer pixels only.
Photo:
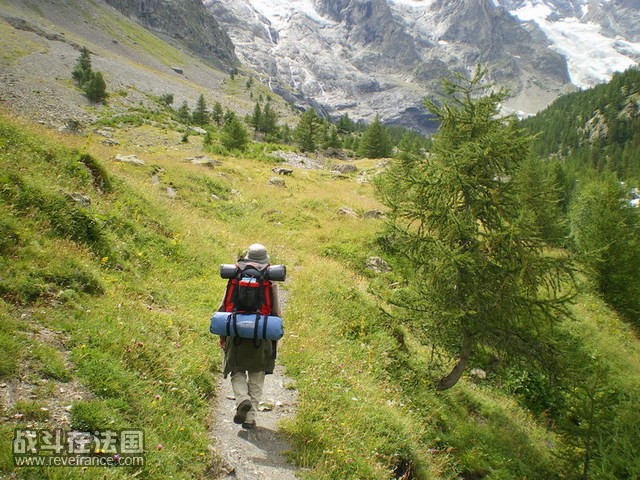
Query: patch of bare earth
[{"x": 257, "y": 454}]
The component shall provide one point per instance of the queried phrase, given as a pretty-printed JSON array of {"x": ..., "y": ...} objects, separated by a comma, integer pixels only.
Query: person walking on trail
[{"x": 247, "y": 360}]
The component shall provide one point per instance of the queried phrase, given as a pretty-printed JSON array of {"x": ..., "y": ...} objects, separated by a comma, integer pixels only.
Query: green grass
[
  {"x": 16, "y": 47},
  {"x": 30, "y": 410},
  {"x": 98, "y": 275},
  {"x": 129, "y": 282},
  {"x": 11, "y": 345}
]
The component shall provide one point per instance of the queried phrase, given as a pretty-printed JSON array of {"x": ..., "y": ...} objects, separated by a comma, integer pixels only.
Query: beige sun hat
[{"x": 257, "y": 253}]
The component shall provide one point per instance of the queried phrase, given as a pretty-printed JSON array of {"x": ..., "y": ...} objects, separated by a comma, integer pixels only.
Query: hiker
[{"x": 247, "y": 360}]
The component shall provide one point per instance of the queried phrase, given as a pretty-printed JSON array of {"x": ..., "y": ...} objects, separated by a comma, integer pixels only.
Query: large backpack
[
  {"x": 248, "y": 303},
  {"x": 249, "y": 291}
]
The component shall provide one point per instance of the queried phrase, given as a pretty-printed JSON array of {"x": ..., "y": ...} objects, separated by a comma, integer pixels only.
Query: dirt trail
[{"x": 256, "y": 454}]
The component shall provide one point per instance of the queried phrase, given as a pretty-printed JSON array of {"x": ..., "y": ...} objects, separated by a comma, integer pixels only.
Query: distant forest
[{"x": 597, "y": 128}]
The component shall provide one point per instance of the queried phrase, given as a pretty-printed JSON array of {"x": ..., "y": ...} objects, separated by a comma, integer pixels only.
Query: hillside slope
[
  {"x": 41, "y": 43},
  {"x": 110, "y": 275},
  {"x": 596, "y": 129}
]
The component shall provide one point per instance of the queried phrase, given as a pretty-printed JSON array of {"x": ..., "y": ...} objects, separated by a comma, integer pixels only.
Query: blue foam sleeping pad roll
[{"x": 269, "y": 326}]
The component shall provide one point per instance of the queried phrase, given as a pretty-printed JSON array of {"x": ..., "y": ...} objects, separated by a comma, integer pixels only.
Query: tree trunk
[{"x": 452, "y": 378}]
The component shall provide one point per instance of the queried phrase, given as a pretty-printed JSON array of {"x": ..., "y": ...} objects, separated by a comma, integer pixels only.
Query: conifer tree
[
  {"x": 166, "y": 99},
  {"x": 82, "y": 71},
  {"x": 474, "y": 273},
  {"x": 234, "y": 134},
  {"x": 345, "y": 124},
  {"x": 256, "y": 118},
  {"x": 96, "y": 88},
  {"x": 183, "y": 113},
  {"x": 375, "y": 141},
  {"x": 332, "y": 139},
  {"x": 228, "y": 116},
  {"x": 269, "y": 120},
  {"x": 606, "y": 233},
  {"x": 217, "y": 113},
  {"x": 285, "y": 133},
  {"x": 200, "y": 116},
  {"x": 541, "y": 199},
  {"x": 308, "y": 131},
  {"x": 92, "y": 83}
]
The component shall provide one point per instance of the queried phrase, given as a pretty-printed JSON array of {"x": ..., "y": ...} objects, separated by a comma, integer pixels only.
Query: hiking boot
[
  {"x": 249, "y": 425},
  {"x": 241, "y": 412}
]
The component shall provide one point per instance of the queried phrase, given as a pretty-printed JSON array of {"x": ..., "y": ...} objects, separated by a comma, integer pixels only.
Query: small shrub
[{"x": 166, "y": 99}]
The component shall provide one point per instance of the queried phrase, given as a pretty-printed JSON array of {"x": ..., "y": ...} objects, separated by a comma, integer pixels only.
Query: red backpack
[{"x": 249, "y": 291}]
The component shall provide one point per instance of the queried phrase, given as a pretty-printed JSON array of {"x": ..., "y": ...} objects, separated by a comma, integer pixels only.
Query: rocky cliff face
[
  {"x": 369, "y": 57},
  {"x": 183, "y": 21},
  {"x": 619, "y": 18}
]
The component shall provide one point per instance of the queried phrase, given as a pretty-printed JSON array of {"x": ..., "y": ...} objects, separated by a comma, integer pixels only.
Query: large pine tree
[
  {"x": 375, "y": 141},
  {"x": 309, "y": 131},
  {"x": 474, "y": 271},
  {"x": 200, "y": 115},
  {"x": 234, "y": 134}
]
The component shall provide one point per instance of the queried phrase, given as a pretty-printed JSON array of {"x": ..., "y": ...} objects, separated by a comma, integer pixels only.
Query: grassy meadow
[{"x": 105, "y": 310}]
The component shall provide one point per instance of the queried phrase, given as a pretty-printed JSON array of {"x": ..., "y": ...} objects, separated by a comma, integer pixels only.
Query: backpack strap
[
  {"x": 230, "y": 295},
  {"x": 232, "y": 325},
  {"x": 256, "y": 342},
  {"x": 264, "y": 326},
  {"x": 228, "y": 326}
]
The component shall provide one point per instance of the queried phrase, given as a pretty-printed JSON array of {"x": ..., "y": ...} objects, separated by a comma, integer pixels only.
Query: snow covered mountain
[
  {"x": 368, "y": 57},
  {"x": 598, "y": 38}
]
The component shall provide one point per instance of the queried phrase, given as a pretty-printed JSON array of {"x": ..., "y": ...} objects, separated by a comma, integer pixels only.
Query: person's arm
[
  {"x": 275, "y": 310},
  {"x": 275, "y": 301},
  {"x": 223, "y": 340}
]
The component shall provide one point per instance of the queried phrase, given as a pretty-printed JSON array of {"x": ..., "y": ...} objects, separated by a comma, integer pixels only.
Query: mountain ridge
[
  {"x": 366, "y": 59},
  {"x": 382, "y": 57}
]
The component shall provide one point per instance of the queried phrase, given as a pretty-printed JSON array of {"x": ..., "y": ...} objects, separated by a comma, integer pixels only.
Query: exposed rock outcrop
[
  {"x": 183, "y": 21},
  {"x": 379, "y": 57}
]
